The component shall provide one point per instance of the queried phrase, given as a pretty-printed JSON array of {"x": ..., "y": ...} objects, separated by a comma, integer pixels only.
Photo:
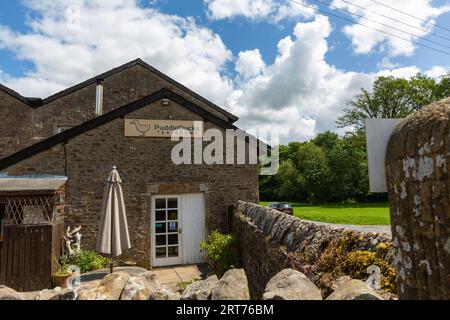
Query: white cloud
[
  {"x": 403, "y": 72},
  {"x": 365, "y": 40},
  {"x": 250, "y": 63},
  {"x": 386, "y": 63},
  {"x": 256, "y": 9},
  {"x": 112, "y": 33},
  {"x": 437, "y": 71},
  {"x": 300, "y": 93}
]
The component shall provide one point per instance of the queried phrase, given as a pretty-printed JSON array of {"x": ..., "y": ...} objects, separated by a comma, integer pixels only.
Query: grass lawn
[{"x": 355, "y": 213}]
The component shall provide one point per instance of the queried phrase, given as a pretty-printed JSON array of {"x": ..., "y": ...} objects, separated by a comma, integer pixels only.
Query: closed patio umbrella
[{"x": 113, "y": 237}]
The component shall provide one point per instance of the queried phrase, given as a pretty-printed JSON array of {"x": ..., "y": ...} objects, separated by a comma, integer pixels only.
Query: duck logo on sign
[{"x": 162, "y": 128}]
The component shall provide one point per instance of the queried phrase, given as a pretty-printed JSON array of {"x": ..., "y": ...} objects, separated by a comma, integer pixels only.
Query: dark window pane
[
  {"x": 172, "y": 251},
  {"x": 161, "y": 252},
  {"x": 161, "y": 240},
  {"x": 173, "y": 239},
  {"x": 173, "y": 226},
  {"x": 172, "y": 214},
  {"x": 160, "y": 215},
  {"x": 160, "y": 227},
  {"x": 172, "y": 203},
  {"x": 160, "y": 203}
]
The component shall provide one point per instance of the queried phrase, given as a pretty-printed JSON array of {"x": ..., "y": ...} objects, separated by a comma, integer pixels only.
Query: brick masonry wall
[
  {"x": 32, "y": 125},
  {"x": 270, "y": 241},
  {"x": 146, "y": 168}
]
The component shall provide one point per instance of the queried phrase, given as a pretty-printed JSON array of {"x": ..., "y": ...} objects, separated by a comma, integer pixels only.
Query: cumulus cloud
[
  {"x": 72, "y": 40},
  {"x": 250, "y": 63},
  {"x": 256, "y": 9},
  {"x": 437, "y": 71},
  {"x": 401, "y": 72},
  {"x": 300, "y": 93},
  {"x": 365, "y": 40}
]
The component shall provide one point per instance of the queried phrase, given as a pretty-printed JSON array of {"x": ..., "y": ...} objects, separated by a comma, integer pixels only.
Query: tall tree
[{"x": 393, "y": 98}]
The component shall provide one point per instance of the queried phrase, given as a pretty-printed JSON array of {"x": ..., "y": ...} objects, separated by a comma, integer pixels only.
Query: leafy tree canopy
[{"x": 393, "y": 98}]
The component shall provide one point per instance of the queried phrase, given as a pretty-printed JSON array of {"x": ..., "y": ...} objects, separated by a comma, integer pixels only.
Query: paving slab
[{"x": 177, "y": 274}]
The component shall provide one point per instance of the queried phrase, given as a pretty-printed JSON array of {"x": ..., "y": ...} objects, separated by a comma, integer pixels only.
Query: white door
[
  {"x": 178, "y": 225},
  {"x": 193, "y": 227}
]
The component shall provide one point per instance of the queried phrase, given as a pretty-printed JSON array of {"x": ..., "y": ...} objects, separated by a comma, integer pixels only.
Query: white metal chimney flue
[{"x": 99, "y": 98}]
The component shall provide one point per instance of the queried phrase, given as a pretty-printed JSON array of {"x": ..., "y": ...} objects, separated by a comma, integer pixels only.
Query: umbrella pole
[{"x": 111, "y": 265}]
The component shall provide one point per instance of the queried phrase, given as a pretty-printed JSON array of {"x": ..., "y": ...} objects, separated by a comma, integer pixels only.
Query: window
[
  {"x": 62, "y": 129},
  {"x": 33, "y": 215},
  {"x": 2, "y": 218}
]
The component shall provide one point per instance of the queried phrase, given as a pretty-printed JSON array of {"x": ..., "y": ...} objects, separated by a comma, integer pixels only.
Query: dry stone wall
[
  {"x": 270, "y": 241},
  {"x": 418, "y": 184}
]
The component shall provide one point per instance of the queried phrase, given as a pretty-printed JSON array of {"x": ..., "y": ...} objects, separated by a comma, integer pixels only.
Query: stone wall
[
  {"x": 417, "y": 162},
  {"x": 270, "y": 241},
  {"x": 16, "y": 124},
  {"x": 146, "y": 168}
]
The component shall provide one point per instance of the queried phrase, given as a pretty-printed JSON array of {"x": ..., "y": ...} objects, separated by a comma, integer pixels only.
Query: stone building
[{"x": 80, "y": 133}]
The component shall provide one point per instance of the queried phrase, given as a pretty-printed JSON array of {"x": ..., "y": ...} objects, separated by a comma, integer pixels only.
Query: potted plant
[{"x": 60, "y": 276}]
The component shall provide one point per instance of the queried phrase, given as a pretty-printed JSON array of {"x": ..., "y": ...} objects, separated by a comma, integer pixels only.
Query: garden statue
[{"x": 73, "y": 240}]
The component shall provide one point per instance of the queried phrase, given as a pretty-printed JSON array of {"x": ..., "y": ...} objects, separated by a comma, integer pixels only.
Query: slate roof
[
  {"x": 37, "y": 102},
  {"x": 23, "y": 184}
]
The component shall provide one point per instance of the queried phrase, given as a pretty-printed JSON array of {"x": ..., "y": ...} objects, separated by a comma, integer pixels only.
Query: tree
[
  {"x": 346, "y": 157},
  {"x": 289, "y": 182},
  {"x": 312, "y": 167},
  {"x": 393, "y": 98}
]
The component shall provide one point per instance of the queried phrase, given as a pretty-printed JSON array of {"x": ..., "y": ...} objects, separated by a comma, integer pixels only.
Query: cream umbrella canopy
[{"x": 113, "y": 237}]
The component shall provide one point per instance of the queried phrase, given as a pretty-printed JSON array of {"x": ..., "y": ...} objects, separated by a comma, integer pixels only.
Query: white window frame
[{"x": 168, "y": 261}]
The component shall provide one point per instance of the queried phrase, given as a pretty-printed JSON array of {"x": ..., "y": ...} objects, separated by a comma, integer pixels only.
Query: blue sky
[
  {"x": 240, "y": 34},
  {"x": 225, "y": 49}
]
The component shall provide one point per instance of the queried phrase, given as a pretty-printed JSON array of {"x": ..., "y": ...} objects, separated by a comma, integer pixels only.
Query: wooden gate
[{"x": 25, "y": 257}]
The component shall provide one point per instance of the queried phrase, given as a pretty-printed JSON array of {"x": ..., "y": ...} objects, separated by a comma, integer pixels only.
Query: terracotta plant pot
[{"x": 60, "y": 280}]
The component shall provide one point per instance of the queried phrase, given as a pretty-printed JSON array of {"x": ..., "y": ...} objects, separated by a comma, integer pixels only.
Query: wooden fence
[{"x": 25, "y": 257}]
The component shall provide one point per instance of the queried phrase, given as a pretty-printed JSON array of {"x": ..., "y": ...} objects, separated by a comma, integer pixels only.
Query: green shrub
[
  {"x": 86, "y": 260},
  {"x": 219, "y": 252}
]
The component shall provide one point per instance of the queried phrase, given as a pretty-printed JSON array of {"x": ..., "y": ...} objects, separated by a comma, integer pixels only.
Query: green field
[{"x": 355, "y": 213}]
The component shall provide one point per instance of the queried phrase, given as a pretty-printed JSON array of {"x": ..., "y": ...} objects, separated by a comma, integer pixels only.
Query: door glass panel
[
  {"x": 160, "y": 215},
  {"x": 172, "y": 251},
  {"x": 173, "y": 226},
  {"x": 160, "y": 227},
  {"x": 172, "y": 215},
  {"x": 160, "y": 203},
  {"x": 173, "y": 239},
  {"x": 161, "y": 240},
  {"x": 166, "y": 228},
  {"x": 172, "y": 203},
  {"x": 161, "y": 252}
]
